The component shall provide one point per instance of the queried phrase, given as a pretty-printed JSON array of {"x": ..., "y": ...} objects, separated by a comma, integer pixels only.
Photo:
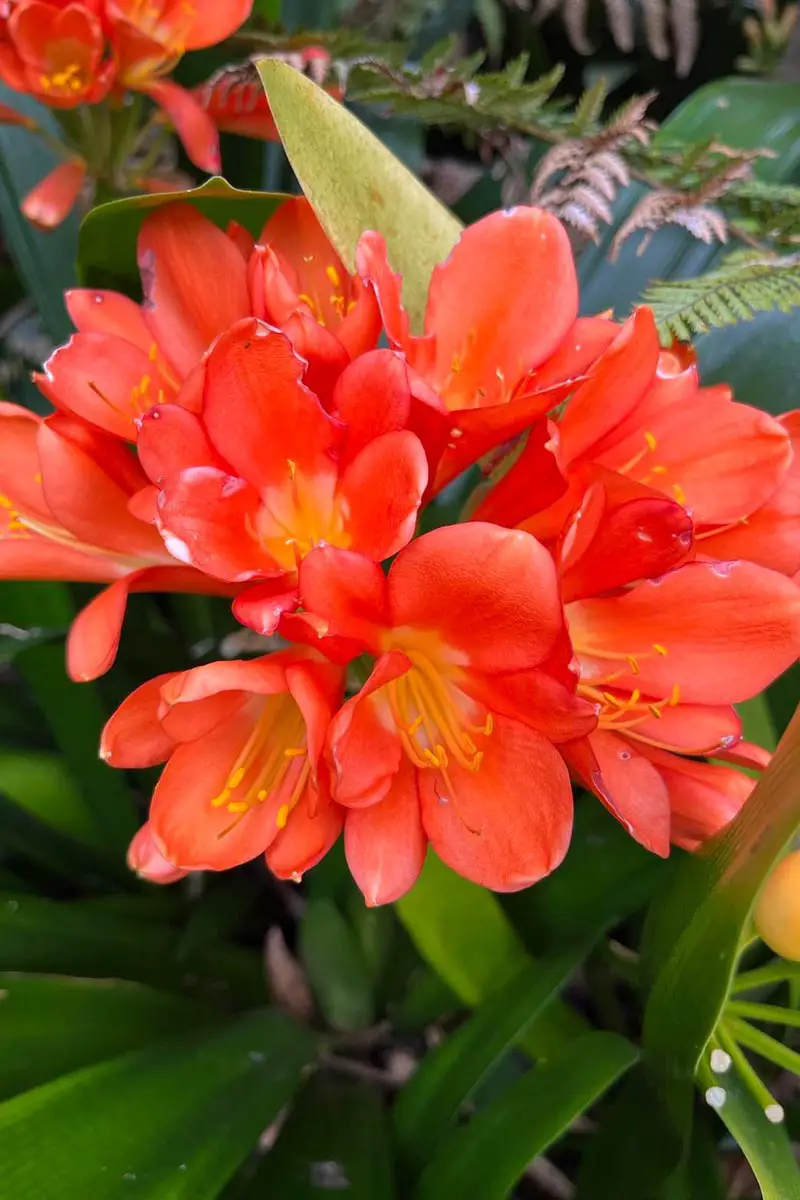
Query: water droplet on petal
[
  {"x": 98, "y": 298},
  {"x": 722, "y": 569},
  {"x": 643, "y": 535},
  {"x": 624, "y": 755},
  {"x": 730, "y": 739}
]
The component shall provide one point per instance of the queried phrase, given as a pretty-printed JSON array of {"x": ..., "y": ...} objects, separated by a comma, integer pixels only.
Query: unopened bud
[
  {"x": 145, "y": 858},
  {"x": 777, "y": 915}
]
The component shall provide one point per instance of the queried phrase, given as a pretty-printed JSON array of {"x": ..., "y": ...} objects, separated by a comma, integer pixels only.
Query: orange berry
[{"x": 777, "y": 915}]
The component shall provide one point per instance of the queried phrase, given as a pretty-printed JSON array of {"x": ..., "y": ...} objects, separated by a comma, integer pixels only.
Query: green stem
[
  {"x": 768, "y": 1047},
  {"x": 772, "y": 1014},
  {"x": 747, "y": 1074},
  {"x": 775, "y": 972}
]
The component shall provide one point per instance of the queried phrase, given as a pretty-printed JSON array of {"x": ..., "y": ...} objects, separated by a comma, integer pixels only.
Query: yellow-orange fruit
[{"x": 777, "y": 914}]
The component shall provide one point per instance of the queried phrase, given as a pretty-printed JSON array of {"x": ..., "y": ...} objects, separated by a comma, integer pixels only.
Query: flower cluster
[
  {"x": 97, "y": 55},
  {"x": 621, "y": 577}
]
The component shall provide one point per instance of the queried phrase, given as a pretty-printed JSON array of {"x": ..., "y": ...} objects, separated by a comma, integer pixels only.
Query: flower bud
[
  {"x": 145, "y": 858},
  {"x": 777, "y": 915}
]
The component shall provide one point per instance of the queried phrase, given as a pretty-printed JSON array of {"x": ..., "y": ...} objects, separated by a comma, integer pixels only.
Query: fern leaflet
[{"x": 736, "y": 291}]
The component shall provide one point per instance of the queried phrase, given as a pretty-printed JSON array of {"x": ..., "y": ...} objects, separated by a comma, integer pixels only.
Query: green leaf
[
  {"x": 744, "y": 113},
  {"x": 41, "y": 785},
  {"x": 355, "y": 183},
  {"x": 51, "y": 1025},
  {"x": 335, "y": 1139},
  {"x": 82, "y": 939},
  {"x": 766, "y": 1146},
  {"x": 692, "y": 961},
  {"x": 336, "y": 967},
  {"x": 734, "y": 292},
  {"x": 462, "y": 931},
  {"x": 107, "y": 247},
  {"x": 45, "y": 261},
  {"x": 483, "y": 1160},
  {"x": 429, "y": 1104},
  {"x": 73, "y": 711},
  {"x": 169, "y": 1122}
]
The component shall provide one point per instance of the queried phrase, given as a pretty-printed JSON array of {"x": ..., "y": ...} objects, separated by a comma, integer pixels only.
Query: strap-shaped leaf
[
  {"x": 430, "y": 1102},
  {"x": 170, "y": 1123},
  {"x": 482, "y": 1160},
  {"x": 54, "y": 1024}
]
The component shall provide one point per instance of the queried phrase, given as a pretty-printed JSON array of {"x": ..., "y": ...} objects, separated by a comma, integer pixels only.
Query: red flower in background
[
  {"x": 56, "y": 52},
  {"x": 84, "y": 52},
  {"x": 198, "y": 282},
  {"x": 450, "y": 740},
  {"x": 244, "y": 773},
  {"x": 66, "y": 492}
]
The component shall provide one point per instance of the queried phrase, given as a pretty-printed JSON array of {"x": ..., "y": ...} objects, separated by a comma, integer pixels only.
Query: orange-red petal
[
  {"x": 52, "y": 199},
  {"x": 508, "y": 824},
  {"x": 385, "y": 844}
]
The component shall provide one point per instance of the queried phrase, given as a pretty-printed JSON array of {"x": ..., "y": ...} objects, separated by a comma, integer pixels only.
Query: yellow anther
[
  {"x": 307, "y": 300},
  {"x": 659, "y": 470},
  {"x": 38, "y": 478},
  {"x": 633, "y": 664},
  {"x": 612, "y": 699},
  {"x": 441, "y": 755},
  {"x": 676, "y": 695},
  {"x": 152, "y": 353},
  {"x": 294, "y": 752},
  {"x": 5, "y": 502},
  {"x": 333, "y": 276},
  {"x": 659, "y": 649},
  {"x": 431, "y": 758},
  {"x": 261, "y": 795},
  {"x": 488, "y": 726},
  {"x": 292, "y": 467},
  {"x": 456, "y": 364},
  {"x": 655, "y": 710},
  {"x": 283, "y": 816},
  {"x": 651, "y": 441},
  {"x": 476, "y": 762},
  {"x": 680, "y": 494},
  {"x": 238, "y": 806},
  {"x": 636, "y": 696},
  {"x": 221, "y": 799},
  {"x": 236, "y": 778},
  {"x": 414, "y": 726}
]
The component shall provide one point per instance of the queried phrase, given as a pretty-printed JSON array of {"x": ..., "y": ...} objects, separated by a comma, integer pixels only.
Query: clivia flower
[
  {"x": 244, "y": 775},
  {"x": 264, "y": 473},
  {"x": 664, "y": 661},
  {"x": 94, "y": 52},
  {"x": 630, "y": 416},
  {"x": 66, "y": 492},
  {"x": 486, "y": 340},
  {"x": 199, "y": 281},
  {"x": 451, "y": 738}
]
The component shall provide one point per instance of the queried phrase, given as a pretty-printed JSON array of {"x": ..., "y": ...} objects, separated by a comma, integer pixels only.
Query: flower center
[
  {"x": 303, "y": 513},
  {"x": 69, "y": 79},
  {"x": 432, "y": 718},
  {"x": 642, "y": 468},
  {"x": 272, "y": 764}
]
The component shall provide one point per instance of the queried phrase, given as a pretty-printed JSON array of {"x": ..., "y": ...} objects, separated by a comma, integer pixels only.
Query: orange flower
[
  {"x": 450, "y": 740},
  {"x": 242, "y": 742},
  {"x": 55, "y": 52},
  {"x": 65, "y": 496},
  {"x": 198, "y": 281},
  {"x": 246, "y": 490},
  {"x": 498, "y": 308},
  {"x": 664, "y": 661},
  {"x": 631, "y": 416},
  {"x": 145, "y": 858}
]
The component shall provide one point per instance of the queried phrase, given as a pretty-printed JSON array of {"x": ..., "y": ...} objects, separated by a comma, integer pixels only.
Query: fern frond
[{"x": 743, "y": 286}]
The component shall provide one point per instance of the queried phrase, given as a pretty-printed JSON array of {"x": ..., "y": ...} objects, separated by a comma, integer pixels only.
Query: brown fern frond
[
  {"x": 685, "y": 22},
  {"x": 662, "y": 208},
  {"x": 654, "y": 15},
  {"x": 575, "y": 17},
  {"x": 620, "y": 22}
]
